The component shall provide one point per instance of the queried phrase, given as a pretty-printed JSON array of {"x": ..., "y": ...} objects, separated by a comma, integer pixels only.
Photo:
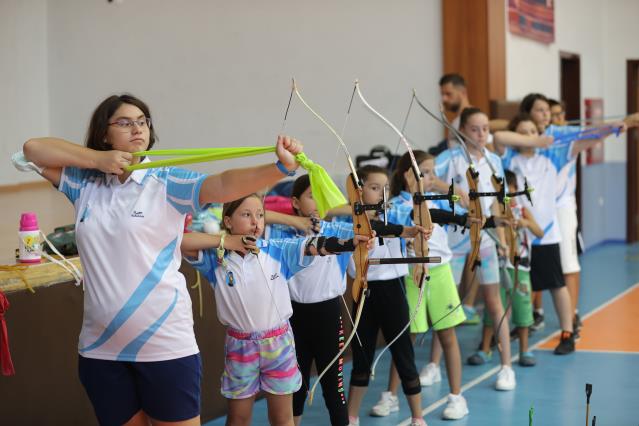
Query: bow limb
[
  {"x": 474, "y": 211},
  {"x": 472, "y": 176},
  {"x": 474, "y": 207},
  {"x": 511, "y": 241},
  {"x": 421, "y": 218},
  {"x": 421, "y": 212},
  {"x": 361, "y": 226}
]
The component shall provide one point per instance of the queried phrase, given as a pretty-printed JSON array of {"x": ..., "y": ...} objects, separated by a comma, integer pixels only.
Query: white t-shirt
[
  {"x": 542, "y": 177},
  {"x": 136, "y": 304},
  {"x": 325, "y": 278},
  {"x": 452, "y": 165},
  {"x": 251, "y": 292},
  {"x": 438, "y": 242}
]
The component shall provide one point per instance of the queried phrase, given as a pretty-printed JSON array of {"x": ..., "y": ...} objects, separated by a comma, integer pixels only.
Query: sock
[
  {"x": 540, "y": 311},
  {"x": 419, "y": 420}
]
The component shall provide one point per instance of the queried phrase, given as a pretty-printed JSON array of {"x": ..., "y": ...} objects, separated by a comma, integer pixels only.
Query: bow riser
[
  {"x": 474, "y": 210},
  {"x": 361, "y": 226}
]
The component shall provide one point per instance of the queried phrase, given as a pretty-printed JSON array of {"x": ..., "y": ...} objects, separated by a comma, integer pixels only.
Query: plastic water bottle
[{"x": 29, "y": 236}]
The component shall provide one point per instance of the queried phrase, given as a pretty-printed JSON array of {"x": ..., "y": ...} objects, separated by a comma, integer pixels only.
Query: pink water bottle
[{"x": 29, "y": 236}]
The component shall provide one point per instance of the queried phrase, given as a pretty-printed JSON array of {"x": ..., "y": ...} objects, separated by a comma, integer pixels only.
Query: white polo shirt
[
  {"x": 438, "y": 242},
  {"x": 251, "y": 292},
  {"x": 325, "y": 278},
  {"x": 452, "y": 165},
  {"x": 392, "y": 248},
  {"x": 542, "y": 177},
  {"x": 136, "y": 304}
]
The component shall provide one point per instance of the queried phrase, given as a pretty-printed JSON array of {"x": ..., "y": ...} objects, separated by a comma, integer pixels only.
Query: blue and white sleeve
[
  {"x": 206, "y": 263},
  {"x": 73, "y": 180},
  {"x": 401, "y": 215},
  {"x": 183, "y": 189},
  {"x": 507, "y": 157},
  {"x": 444, "y": 205},
  {"x": 341, "y": 230},
  {"x": 498, "y": 165},
  {"x": 442, "y": 164},
  {"x": 278, "y": 231},
  {"x": 559, "y": 155}
]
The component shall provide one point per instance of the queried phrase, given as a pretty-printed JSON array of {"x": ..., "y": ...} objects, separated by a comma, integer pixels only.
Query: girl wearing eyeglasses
[{"x": 138, "y": 358}]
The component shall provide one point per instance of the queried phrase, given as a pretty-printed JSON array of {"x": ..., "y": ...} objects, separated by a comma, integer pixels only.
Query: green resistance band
[
  {"x": 196, "y": 155},
  {"x": 326, "y": 194}
]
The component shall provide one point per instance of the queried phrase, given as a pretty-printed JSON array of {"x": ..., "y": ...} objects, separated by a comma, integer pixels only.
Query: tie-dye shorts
[{"x": 257, "y": 361}]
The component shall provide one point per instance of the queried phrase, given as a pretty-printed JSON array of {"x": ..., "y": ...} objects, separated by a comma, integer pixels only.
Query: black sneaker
[
  {"x": 566, "y": 343},
  {"x": 576, "y": 334},
  {"x": 538, "y": 323}
]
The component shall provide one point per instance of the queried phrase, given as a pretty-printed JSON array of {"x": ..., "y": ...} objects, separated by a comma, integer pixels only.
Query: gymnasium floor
[{"x": 607, "y": 356}]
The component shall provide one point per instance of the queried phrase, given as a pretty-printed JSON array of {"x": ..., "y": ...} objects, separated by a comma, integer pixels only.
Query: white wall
[
  {"x": 217, "y": 73},
  {"x": 578, "y": 29},
  {"x": 620, "y": 35},
  {"x": 24, "y": 99},
  {"x": 601, "y": 32}
]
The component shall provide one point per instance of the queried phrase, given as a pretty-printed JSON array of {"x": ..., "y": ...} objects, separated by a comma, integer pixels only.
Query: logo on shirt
[
  {"x": 137, "y": 214},
  {"x": 274, "y": 276}
]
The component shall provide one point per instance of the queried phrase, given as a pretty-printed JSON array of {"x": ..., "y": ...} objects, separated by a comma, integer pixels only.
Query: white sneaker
[
  {"x": 430, "y": 374},
  {"x": 422, "y": 422},
  {"x": 387, "y": 404},
  {"x": 456, "y": 408},
  {"x": 505, "y": 379},
  {"x": 353, "y": 421}
]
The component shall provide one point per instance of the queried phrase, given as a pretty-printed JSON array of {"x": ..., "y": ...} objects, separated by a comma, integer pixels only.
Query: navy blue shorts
[{"x": 165, "y": 390}]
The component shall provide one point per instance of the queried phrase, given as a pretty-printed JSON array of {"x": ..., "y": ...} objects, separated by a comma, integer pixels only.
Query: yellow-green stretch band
[
  {"x": 326, "y": 194},
  {"x": 196, "y": 155},
  {"x": 201, "y": 151}
]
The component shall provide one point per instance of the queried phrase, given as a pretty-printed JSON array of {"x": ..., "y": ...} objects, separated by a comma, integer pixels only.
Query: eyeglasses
[{"x": 126, "y": 124}]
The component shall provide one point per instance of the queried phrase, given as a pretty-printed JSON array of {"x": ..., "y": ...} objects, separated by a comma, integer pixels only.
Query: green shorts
[
  {"x": 440, "y": 298},
  {"x": 521, "y": 302}
]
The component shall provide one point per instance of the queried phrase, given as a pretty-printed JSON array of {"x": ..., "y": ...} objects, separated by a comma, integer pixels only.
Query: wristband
[{"x": 284, "y": 170}]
